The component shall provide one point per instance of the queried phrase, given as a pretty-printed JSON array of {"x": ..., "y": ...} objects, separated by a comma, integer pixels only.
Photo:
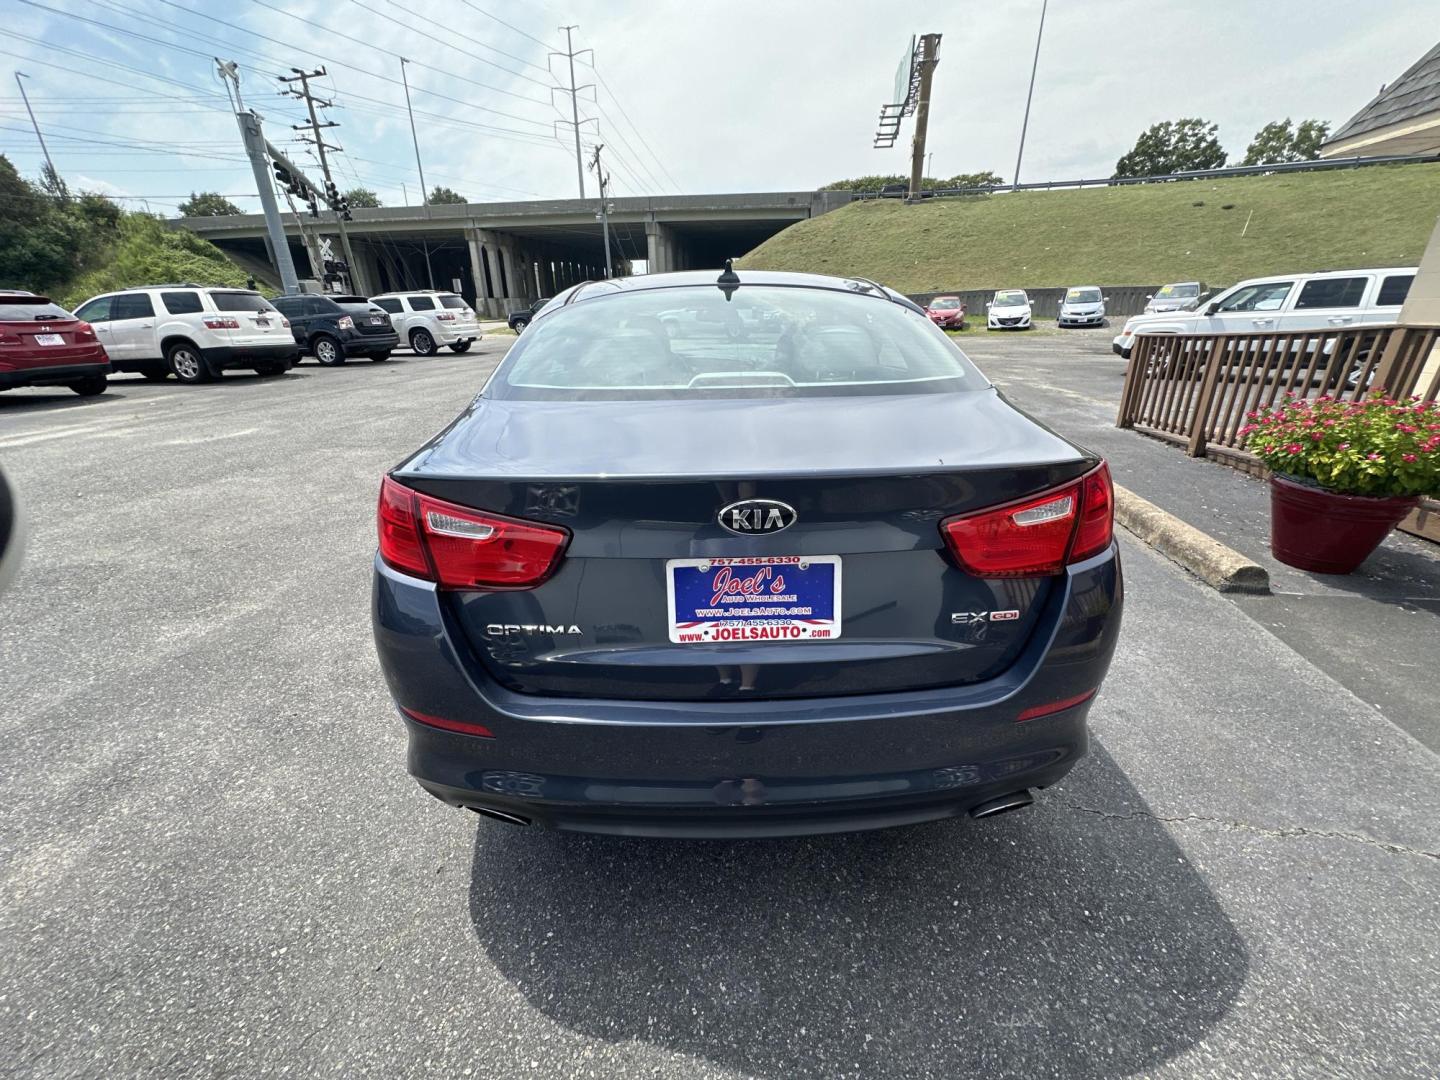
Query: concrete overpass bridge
[{"x": 501, "y": 256}]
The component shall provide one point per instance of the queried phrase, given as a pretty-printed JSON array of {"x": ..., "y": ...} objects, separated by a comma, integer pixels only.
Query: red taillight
[
  {"x": 217, "y": 323},
  {"x": 1037, "y": 711},
  {"x": 446, "y": 724},
  {"x": 84, "y": 331},
  {"x": 445, "y": 316},
  {"x": 462, "y": 548},
  {"x": 1039, "y": 535},
  {"x": 1097, "y": 514}
]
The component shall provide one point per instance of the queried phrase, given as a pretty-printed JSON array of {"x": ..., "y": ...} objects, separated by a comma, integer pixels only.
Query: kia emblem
[{"x": 756, "y": 517}]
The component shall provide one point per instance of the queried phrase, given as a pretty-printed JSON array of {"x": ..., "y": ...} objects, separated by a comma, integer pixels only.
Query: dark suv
[
  {"x": 332, "y": 328},
  {"x": 520, "y": 319}
]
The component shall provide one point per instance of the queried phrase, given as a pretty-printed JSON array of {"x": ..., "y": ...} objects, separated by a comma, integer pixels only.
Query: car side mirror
[
  {"x": 1211, "y": 309},
  {"x": 1149, "y": 296},
  {"x": 1104, "y": 299},
  {"x": 987, "y": 305}
]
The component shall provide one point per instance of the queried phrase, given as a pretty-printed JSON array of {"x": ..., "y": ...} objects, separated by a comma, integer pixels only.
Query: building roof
[{"x": 1414, "y": 94}]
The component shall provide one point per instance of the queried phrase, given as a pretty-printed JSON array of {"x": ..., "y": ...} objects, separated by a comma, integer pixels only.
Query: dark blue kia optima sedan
[{"x": 761, "y": 554}]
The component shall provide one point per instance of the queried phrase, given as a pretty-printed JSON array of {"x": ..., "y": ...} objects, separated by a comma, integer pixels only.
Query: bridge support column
[
  {"x": 485, "y": 264},
  {"x": 659, "y": 248}
]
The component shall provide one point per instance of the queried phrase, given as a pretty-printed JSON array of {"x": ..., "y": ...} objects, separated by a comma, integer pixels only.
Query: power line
[
  {"x": 573, "y": 91},
  {"x": 502, "y": 22},
  {"x": 600, "y": 78},
  {"x": 367, "y": 44},
  {"x": 449, "y": 31}
]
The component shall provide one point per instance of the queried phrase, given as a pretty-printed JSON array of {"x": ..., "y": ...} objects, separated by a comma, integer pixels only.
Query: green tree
[
  {"x": 361, "y": 196},
  {"x": 45, "y": 239},
  {"x": 207, "y": 204},
  {"x": 1276, "y": 143},
  {"x": 442, "y": 196},
  {"x": 1173, "y": 146},
  {"x": 875, "y": 183},
  {"x": 143, "y": 250}
]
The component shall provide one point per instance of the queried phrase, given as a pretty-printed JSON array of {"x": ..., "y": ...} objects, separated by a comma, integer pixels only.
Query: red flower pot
[{"x": 1318, "y": 530}]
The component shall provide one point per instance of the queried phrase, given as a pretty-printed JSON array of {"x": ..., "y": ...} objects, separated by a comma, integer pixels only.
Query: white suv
[
  {"x": 1285, "y": 302},
  {"x": 429, "y": 319},
  {"x": 190, "y": 331}
]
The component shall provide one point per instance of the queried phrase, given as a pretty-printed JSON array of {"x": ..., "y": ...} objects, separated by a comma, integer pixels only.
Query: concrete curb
[{"x": 1212, "y": 562}]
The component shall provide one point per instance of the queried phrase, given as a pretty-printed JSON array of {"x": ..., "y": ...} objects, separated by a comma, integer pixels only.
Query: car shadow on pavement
[{"x": 1055, "y": 942}]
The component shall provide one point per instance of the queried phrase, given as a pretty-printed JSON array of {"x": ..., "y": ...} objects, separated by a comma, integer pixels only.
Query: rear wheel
[
  {"x": 520, "y": 325},
  {"x": 422, "y": 343},
  {"x": 460, "y": 346},
  {"x": 328, "y": 351},
  {"x": 89, "y": 387},
  {"x": 186, "y": 363}
]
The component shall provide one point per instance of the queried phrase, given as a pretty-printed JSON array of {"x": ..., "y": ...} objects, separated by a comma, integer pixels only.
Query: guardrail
[{"x": 1161, "y": 178}]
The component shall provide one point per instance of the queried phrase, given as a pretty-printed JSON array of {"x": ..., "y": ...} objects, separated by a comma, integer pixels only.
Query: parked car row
[
  {"x": 1284, "y": 302},
  {"x": 195, "y": 333}
]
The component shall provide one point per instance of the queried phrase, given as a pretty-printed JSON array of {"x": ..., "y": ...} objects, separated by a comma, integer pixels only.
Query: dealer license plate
[
  {"x": 49, "y": 339},
  {"x": 767, "y": 598}
]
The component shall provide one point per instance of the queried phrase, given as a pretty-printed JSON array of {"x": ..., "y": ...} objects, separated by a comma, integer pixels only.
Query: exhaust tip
[
  {"x": 500, "y": 815},
  {"x": 1016, "y": 800}
]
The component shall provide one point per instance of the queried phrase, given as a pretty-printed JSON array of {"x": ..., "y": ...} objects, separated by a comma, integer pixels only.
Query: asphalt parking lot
[{"x": 215, "y": 864}]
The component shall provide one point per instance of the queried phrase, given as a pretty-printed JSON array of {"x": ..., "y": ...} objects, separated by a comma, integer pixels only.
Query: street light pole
[
  {"x": 424, "y": 195},
  {"x": 54, "y": 176},
  {"x": 1031, "y": 93}
]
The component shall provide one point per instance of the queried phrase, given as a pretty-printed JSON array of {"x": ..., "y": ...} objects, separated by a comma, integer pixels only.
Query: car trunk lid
[{"x": 605, "y": 625}]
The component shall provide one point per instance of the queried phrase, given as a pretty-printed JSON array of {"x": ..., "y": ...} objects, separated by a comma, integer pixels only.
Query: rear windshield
[
  {"x": 765, "y": 341},
  {"x": 348, "y": 300},
  {"x": 454, "y": 303},
  {"x": 29, "y": 308},
  {"x": 240, "y": 301},
  {"x": 1179, "y": 291}
]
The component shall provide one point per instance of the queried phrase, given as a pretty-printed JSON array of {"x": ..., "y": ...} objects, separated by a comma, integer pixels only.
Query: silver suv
[{"x": 190, "y": 331}]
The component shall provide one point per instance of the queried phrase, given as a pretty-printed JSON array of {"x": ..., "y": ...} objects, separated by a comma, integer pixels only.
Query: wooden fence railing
[{"x": 1196, "y": 389}]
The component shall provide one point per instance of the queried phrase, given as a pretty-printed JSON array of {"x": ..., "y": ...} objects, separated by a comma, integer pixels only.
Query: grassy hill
[{"x": 1145, "y": 234}]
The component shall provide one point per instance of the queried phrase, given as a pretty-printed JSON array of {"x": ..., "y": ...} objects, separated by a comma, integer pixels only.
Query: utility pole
[
  {"x": 604, "y": 181},
  {"x": 574, "y": 92},
  {"x": 926, "y": 61},
  {"x": 1034, "y": 65},
  {"x": 254, "y": 138},
  {"x": 50, "y": 165},
  {"x": 352, "y": 273},
  {"x": 424, "y": 193}
]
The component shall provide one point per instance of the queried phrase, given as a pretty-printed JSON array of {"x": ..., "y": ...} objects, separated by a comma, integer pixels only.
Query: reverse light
[
  {"x": 345, "y": 322},
  {"x": 1038, "y": 536},
  {"x": 461, "y": 548}
]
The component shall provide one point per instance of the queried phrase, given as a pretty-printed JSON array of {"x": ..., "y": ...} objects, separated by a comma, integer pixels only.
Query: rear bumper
[
  {"x": 358, "y": 344},
  {"x": 446, "y": 335},
  {"x": 764, "y": 768},
  {"x": 52, "y": 375},
  {"x": 233, "y": 356}
]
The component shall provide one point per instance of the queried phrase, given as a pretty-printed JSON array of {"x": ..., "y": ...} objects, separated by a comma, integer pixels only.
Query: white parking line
[
  {"x": 46, "y": 436},
  {"x": 209, "y": 438}
]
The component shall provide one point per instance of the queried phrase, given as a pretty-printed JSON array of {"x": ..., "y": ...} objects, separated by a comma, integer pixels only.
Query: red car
[
  {"x": 42, "y": 344},
  {"x": 947, "y": 312}
]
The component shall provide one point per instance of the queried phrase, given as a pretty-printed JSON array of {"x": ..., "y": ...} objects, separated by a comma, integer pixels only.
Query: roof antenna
[{"x": 728, "y": 280}]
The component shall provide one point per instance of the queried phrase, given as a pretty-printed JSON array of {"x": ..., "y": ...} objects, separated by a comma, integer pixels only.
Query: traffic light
[
  {"x": 332, "y": 195},
  {"x": 287, "y": 179},
  {"x": 314, "y": 205}
]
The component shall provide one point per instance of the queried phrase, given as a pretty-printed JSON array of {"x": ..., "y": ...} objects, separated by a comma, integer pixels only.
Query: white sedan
[{"x": 1009, "y": 310}]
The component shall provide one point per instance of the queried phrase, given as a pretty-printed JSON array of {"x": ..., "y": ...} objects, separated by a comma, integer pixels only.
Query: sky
[{"x": 746, "y": 95}]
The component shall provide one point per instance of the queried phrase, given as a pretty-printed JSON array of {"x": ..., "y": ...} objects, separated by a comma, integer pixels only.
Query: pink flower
[
  {"x": 1407, "y": 458},
  {"x": 1373, "y": 457},
  {"x": 1343, "y": 446},
  {"x": 1409, "y": 429},
  {"x": 1293, "y": 448}
]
